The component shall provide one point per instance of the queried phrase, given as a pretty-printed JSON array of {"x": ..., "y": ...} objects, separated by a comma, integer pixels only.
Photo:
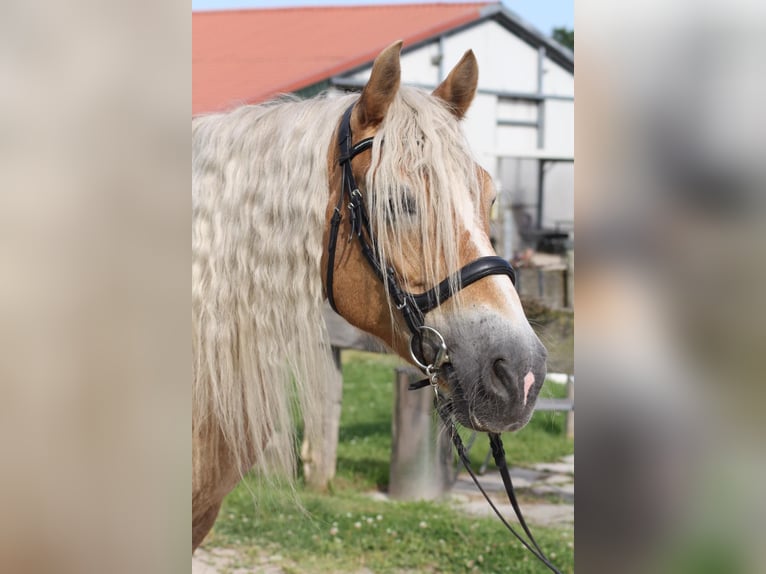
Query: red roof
[{"x": 247, "y": 56}]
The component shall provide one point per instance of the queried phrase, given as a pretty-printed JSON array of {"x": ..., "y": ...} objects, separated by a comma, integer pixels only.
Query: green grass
[
  {"x": 347, "y": 530},
  {"x": 364, "y": 442}
]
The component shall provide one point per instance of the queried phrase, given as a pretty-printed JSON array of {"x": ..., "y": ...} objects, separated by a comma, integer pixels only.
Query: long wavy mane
[{"x": 260, "y": 193}]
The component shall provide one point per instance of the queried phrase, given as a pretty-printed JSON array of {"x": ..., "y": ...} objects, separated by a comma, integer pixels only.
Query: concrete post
[{"x": 421, "y": 453}]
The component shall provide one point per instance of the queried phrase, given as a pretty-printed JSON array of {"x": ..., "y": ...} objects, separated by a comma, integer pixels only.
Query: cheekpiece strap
[{"x": 347, "y": 151}]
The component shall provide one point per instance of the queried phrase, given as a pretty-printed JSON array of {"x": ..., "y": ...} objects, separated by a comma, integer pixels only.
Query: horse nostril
[{"x": 500, "y": 378}]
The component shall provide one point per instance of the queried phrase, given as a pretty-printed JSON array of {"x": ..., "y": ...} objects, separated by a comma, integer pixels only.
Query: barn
[{"x": 521, "y": 124}]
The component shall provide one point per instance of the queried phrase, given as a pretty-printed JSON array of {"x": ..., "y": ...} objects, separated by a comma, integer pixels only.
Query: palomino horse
[{"x": 272, "y": 239}]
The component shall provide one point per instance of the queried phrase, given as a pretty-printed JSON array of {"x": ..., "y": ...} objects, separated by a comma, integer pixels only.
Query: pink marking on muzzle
[{"x": 529, "y": 380}]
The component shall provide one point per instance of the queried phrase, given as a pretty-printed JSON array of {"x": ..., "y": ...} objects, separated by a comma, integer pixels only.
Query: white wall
[
  {"x": 505, "y": 62},
  {"x": 559, "y": 127},
  {"x": 516, "y": 110},
  {"x": 417, "y": 67},
  {"x": 556, "y": 80},
  {"x": 558, "y": 197},
  {"x": 479, "y": 129}
]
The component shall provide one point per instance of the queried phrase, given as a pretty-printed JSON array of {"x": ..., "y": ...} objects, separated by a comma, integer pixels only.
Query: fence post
[
  {"x": 320, "y": 459},
  {"x": 421, "y": 453}
]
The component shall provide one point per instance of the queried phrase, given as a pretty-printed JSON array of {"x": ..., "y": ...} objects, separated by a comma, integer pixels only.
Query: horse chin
[{"x": 469, "y": 419}]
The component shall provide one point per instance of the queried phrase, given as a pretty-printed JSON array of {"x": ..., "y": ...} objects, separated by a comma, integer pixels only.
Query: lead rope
[{"x": 498, "y": 453}]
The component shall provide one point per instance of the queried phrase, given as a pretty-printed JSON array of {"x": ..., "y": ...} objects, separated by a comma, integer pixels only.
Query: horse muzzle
[{"x": 494, "y": 375}]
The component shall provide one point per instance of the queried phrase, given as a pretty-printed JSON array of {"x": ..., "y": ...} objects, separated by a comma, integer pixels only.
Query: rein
[
  {"x": 498, "y": 453},
  {"x": 413, "y": 308}
]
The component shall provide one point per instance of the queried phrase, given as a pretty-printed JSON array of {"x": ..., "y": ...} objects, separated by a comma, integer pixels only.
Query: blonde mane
[{"x": 260, "y": 193}]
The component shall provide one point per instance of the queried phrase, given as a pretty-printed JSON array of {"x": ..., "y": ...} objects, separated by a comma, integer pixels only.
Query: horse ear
[
  {"x": 459, "y": 88},
  {"x": 380, "y": 90}
]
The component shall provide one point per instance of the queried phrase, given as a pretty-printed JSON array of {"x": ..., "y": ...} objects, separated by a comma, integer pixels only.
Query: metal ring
[{"x": 441, "y": 354}]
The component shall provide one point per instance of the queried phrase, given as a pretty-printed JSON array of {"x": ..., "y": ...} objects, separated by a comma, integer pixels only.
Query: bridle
[{"x": 413, "y": 308}]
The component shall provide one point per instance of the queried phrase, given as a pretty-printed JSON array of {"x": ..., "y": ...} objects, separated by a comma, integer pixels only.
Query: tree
[{"x": 564, "y": 37}]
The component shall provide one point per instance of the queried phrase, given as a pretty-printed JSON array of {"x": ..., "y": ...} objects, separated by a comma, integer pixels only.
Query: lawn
[{"x": 347, "y": 529}]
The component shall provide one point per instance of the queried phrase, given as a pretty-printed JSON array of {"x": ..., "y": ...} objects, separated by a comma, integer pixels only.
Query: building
[{"x": 521, "y": 124}]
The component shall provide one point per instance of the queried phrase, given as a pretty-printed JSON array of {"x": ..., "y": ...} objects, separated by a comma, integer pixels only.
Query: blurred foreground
[{"x": 670, "y": 241}]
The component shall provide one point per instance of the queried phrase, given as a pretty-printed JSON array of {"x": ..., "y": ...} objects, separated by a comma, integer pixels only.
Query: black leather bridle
[{"x": 413, "y": 308}]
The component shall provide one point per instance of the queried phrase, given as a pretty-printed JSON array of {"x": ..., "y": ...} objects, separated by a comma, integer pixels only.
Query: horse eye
[
  {"x": 408, "y": 203},
  {"x": 405, "y": 203}
]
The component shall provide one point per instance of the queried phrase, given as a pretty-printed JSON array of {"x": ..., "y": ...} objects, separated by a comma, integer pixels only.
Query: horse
[{"x": 280, "y": 225}]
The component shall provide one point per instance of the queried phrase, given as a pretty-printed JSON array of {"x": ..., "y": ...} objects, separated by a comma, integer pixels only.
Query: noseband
[{"x": 412, "y": 307}]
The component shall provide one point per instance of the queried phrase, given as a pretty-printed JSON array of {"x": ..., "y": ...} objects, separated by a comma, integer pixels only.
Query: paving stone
[
  {"x": 567, "y": 488},
  {"x": 527, "y": 474},
  {"x": 545, "y": 480},
  {"x": 492, "y": 481},
  {"x": 549, "y": 514},
  {"x": 541, "y": 514},
  {"x": 556, "y": 467},
  {"x": 557, "y": 478},
  {"x": 219, "y": 560}
]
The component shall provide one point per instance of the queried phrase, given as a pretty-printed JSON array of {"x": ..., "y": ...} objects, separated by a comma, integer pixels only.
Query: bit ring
[{"x": 441, "y": 354}]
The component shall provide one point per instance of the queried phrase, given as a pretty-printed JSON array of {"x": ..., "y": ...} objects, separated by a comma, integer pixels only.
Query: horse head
[{"x": 425, "y": 217}]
